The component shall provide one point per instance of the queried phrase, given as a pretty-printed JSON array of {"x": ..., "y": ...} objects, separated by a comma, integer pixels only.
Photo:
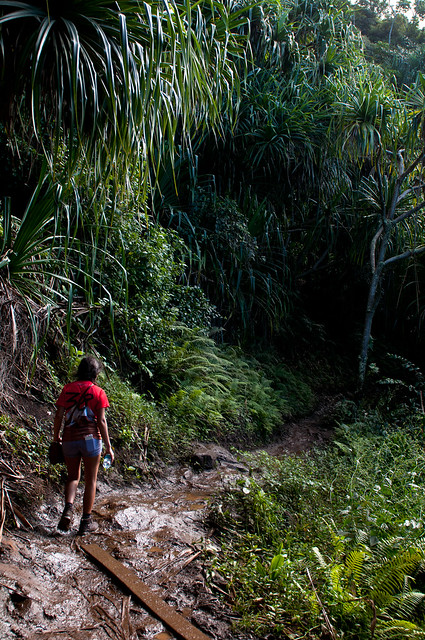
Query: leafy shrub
[
  {"x": 220, "y": 393},
  {"x": 25, "y": 447},
  {"x": 136, "y": 424},
  {"x": 332, "y": 539},
  {"x": 142, "y": 271}
]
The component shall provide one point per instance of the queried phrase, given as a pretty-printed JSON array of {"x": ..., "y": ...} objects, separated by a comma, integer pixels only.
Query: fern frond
[
  {"x": 406, "y": 605},
  {"x": 389, "y": 578},
  {"x": 354, "y": 563},
  {"x": 387, "y": 548},
  {"x": 336, "y": 573},
  {"x": 398, "y": 629},
  {"x": 362, "y": 538}
]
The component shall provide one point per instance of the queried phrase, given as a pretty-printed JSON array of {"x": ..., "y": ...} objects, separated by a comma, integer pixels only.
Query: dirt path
[
  {"x": 50, "y": 590},
  {"x": 305, "y": 434}
]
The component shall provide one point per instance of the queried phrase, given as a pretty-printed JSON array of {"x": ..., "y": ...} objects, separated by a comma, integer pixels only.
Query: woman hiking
[{"x": 81, "y": 410}]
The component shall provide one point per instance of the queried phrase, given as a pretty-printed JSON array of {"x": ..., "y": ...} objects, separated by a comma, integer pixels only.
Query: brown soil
[
  {"x": 51, "y": 590},
  {"x": 307, "y": 433}
]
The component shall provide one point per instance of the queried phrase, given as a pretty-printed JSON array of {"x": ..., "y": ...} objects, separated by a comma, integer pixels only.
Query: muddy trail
[{"x": 50, "y": 589}]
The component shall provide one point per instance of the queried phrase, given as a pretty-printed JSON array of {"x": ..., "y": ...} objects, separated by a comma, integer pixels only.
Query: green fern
[
  {"x": 381, "y": 576},
  {"x": 390, "y": 576},
  {"x": 398, "y": 629},
  {"x": 355, "y": 564},
  {"x": 406, "y": 605}
]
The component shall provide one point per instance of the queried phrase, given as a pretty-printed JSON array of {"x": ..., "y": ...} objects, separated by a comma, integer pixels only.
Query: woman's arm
[
  {"x": 57, "y": 424},
  {"x": 103, "y": 428}
]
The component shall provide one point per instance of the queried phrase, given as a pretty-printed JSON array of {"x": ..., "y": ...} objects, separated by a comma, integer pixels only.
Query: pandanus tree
[
  {"x": 97, "y": 93},
  {"x": 108, "y": 87},
  {"x": 381, "y": 135},
  {"x": 116, "y": 77},
  {"x": 397, "y": 194}
]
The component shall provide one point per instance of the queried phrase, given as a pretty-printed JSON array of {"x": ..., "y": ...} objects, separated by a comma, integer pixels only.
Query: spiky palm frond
[
  {"x": 77, "y": 64},
  {"x": 314, "y": 35},
  {"x": 44, "y": 264},
  {"x": 415, "y": 100},
  {"x": 117, "y": 79},
  {"x": 27, "y": 244},
  {"x": 366, "y": 111}
]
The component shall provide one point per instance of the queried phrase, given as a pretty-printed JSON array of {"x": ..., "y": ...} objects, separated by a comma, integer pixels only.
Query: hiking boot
[
  {"x": 66, "y": 518},
  {"x": 87, "y": 525}
]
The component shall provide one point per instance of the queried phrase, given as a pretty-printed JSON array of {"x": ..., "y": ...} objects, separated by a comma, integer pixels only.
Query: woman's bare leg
[
  {"x": 73, "y": 466},
  {"x": 91, "y": 467}
]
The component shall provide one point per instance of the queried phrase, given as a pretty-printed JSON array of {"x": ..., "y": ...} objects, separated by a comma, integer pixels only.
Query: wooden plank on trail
[{"x": 128, "y": 577}]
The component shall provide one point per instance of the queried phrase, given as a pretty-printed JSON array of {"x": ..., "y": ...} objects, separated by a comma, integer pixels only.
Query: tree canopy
[{"x": 249, "y": 152}]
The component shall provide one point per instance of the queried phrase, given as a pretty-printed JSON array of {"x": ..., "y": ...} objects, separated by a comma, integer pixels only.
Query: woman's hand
[
  {"x": 57, "y": 424},
  {"x": 111, "y": 453},
  {"x": 103, "y": 428}
]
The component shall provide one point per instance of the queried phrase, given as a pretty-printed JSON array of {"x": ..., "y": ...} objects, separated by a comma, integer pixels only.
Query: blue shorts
[{"x": 88, "y": 448}]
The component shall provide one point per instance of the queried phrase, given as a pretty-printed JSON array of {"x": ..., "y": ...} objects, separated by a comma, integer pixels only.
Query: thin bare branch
[
  {"x": 373, "y": 248},
  {"x": 328, "y": 623},
  {"x": 404, "y": 255},
  {"x": 409, "y": 213},
  {"x": 411, "y": 168}
]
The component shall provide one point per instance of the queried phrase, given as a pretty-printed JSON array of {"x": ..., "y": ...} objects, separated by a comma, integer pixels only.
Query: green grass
[{"x": 334, "y": 539}]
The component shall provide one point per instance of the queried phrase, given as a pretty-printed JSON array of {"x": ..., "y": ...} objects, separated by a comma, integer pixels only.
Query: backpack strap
[{"x": 77, "y": 402}]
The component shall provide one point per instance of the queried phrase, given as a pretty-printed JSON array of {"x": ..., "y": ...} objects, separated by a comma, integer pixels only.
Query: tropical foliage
[
  {"x": 224, "y": 201},
  {"x": 114, "y": 79},
  {"x": 163, "y": 190},
  {"x": 331, "y": 540},
  {"x": 94, "y": 98}
]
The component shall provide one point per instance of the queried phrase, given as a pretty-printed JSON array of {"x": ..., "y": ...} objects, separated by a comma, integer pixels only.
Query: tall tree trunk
[
  {"x": 378, "y": 251},
  {"x": 379, "y": 248},
  {"x": 372, "y": 304}
]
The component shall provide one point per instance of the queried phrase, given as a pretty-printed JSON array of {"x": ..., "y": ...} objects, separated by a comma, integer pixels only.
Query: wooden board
[{"x": 128, "y": 577}]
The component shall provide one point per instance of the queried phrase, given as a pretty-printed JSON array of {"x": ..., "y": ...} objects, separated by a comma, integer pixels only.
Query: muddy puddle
[{"x": 51, "y": 590}]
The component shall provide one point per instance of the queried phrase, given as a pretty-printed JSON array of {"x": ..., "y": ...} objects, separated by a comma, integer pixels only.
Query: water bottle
[{"x": 107, "y": 461}]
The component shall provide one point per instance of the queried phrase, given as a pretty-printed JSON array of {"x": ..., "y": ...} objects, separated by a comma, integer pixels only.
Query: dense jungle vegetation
[{"x": 224, "y": 201}]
